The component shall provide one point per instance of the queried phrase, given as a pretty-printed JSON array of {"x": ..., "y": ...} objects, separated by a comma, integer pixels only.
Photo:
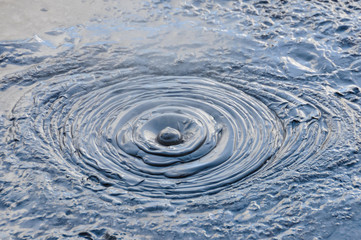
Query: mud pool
[{"x": 180, "y": 119}]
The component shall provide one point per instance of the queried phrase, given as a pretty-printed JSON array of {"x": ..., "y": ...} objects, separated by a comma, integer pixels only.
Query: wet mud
[{"x": 181, "y": 120}]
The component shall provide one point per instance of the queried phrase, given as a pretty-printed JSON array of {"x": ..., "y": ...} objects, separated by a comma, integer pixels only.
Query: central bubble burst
[
  {"x": 169, "y": 136},
  {"x": 167, "y": 133}
]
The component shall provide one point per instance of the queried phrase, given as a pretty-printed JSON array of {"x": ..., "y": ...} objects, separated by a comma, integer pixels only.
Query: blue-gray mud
[{"x": 182, "y": 120}]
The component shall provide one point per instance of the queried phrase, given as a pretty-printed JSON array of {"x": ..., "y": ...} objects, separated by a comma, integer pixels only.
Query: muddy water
[{"x": 187, "y": 120}]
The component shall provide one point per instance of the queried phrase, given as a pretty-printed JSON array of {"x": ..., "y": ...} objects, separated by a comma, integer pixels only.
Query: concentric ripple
[{"x": 175, "y": 136}]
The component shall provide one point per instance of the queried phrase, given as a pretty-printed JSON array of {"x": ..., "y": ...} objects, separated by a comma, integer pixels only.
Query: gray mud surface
[{"x": 180, "y": 119}]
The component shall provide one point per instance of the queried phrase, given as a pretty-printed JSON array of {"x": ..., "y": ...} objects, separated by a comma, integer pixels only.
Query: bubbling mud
[{"x": 177, "y": 137}]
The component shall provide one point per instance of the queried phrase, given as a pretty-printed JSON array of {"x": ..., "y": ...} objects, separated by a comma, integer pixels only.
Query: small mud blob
[{"x": 169, "y": 136}]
